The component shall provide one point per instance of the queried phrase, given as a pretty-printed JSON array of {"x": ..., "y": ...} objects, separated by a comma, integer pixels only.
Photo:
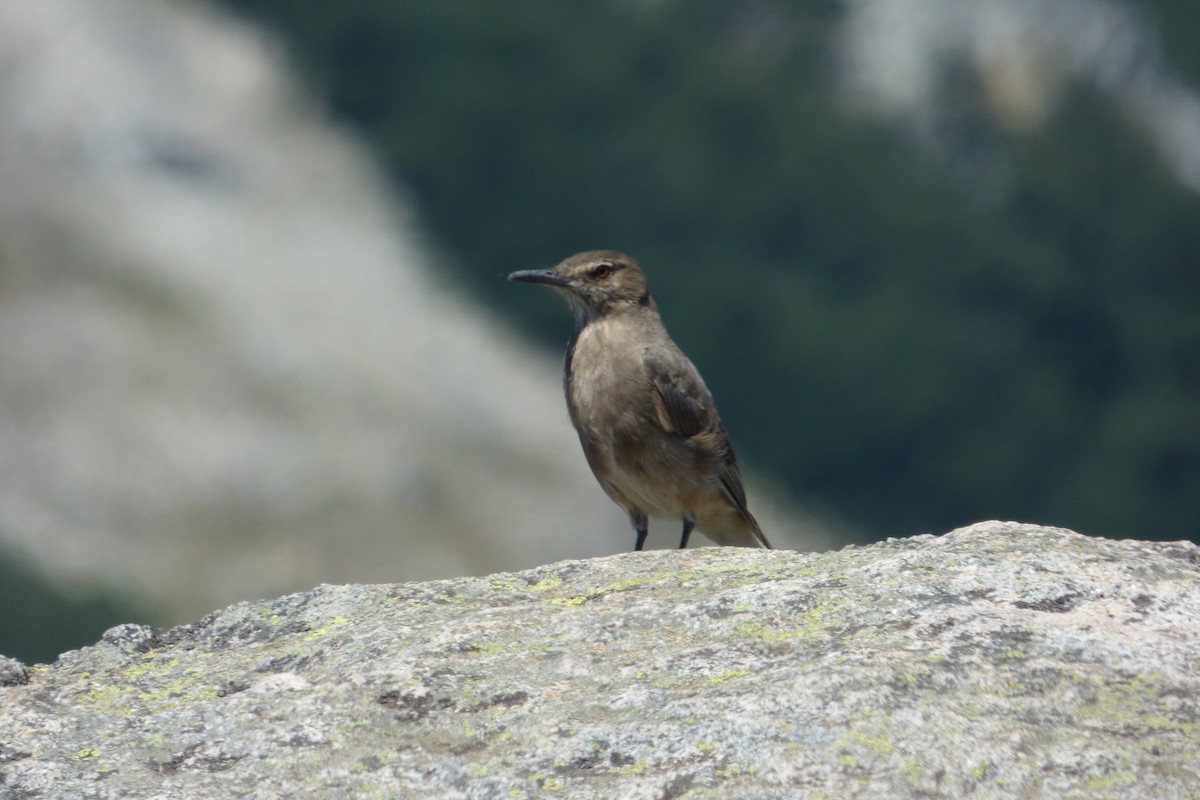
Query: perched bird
[{"x": 646, "y": 420}]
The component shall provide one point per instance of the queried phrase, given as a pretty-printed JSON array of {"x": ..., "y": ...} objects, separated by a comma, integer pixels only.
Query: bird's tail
[
  {"x": 734, "y": 528},
  {"x": 759, "y": 536}
]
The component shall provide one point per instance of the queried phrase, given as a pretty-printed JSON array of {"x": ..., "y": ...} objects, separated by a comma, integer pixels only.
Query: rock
[
  {"x": 997, "y": 661},
  {"x": 12, "y": 672},
  {"x": 1027, "y": 56}
]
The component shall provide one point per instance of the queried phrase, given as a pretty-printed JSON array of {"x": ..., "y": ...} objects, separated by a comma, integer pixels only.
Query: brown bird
[{"x": 646, "y": 420}]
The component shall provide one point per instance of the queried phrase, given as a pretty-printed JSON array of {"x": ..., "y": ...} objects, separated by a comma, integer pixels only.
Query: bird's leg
[
  {"x": 689, "y": 522},
  {"x": 639, "y": 527}
]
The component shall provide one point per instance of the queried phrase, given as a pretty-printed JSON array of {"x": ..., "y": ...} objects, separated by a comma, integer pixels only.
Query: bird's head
[{"x": 594, "y": 283}]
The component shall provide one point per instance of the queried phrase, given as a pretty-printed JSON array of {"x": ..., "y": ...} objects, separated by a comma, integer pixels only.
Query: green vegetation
[{"x": 890, "y": 340}]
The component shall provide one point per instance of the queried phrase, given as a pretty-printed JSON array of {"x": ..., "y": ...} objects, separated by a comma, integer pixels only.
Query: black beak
[{"x": 546, "y": 276}]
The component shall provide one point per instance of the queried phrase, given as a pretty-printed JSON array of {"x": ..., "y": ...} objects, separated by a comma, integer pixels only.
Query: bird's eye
[{"x": 602, "y": 270}]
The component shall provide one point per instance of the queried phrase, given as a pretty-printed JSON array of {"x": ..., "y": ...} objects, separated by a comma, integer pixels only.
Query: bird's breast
[{"x": 604, "y": 378}]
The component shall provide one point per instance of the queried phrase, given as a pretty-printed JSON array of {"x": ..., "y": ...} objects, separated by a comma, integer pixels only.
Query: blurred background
[{"x": 938, "y": 260}]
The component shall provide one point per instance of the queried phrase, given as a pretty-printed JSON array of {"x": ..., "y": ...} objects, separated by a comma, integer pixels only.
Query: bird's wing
[
  {"x": 684, "y": 407},
  {"x": 682, "y": 403},
  {"x": 731, "y": 481}
]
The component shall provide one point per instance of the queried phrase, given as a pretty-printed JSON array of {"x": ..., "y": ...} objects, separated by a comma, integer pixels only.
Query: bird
[{"x": 646, "y": 420}]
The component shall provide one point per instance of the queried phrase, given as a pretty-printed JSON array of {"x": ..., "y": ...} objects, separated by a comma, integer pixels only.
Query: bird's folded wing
[
  {"x": 684, "y": 407},
  {"x": 731, "y": 482},
  {"x": 681, "y": 402}
]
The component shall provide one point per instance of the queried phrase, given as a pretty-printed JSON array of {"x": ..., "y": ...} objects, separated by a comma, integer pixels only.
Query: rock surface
[{"x": 997, "y": 661}]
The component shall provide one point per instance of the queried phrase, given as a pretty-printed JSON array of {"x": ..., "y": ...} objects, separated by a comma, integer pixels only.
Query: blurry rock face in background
[
  {"x": 227, "y": 370},
  {"x": 1023, "y": 53}
]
